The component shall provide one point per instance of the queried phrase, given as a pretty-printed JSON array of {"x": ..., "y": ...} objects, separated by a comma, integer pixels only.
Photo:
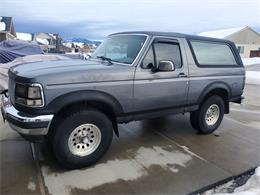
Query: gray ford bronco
[{"x": 76, "y": 105}]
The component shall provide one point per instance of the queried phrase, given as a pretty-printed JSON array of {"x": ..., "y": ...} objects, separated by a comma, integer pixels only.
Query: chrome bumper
[{"x": 24, "y": 123}]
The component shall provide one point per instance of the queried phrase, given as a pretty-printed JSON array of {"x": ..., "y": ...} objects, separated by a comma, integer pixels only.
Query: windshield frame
[{"x": 137, "y": 56}]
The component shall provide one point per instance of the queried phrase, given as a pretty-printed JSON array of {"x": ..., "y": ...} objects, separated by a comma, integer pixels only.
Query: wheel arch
[
  {"x": 87, "y": 95},
  {"x": 217, "y": 88},
  {"x": 83, "y": 99}
]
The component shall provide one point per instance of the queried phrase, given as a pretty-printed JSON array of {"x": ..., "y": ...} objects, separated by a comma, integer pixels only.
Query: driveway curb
[{"x": 221, "y": 182}]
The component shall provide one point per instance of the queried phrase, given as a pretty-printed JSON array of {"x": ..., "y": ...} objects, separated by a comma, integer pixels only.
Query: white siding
[{"x": 247, "y": 49}]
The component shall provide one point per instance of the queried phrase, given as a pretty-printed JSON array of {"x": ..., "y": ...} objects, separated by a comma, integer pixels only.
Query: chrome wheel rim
[
  {"x": 212, "y": 115},
  {"x": 84, "y": 139}
]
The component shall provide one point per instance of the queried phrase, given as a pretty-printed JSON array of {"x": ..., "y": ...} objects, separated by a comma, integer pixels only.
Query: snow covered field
[
  {"x": 251, "y": 61},
  {"x": 252, "y": 77}
]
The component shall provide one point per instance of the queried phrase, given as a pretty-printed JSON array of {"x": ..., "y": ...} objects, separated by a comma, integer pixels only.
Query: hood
[
  {"x": 46, "y": 67},
  {"x": 68, "y": 71}
]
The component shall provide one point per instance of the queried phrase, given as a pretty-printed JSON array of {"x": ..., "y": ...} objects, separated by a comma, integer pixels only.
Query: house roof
[
  {"x": 223, "y": 33},
  {"x": 47, "y": 35}
]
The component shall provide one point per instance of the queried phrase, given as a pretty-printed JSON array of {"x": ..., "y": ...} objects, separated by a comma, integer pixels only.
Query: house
[
  {"x": 80, "y": 46},
  {"x": 7, "y": 30},
  {"x": 246, "y": 39},
  {"x": 46, "y": 41},
  {"x": 51, "y": 43}
]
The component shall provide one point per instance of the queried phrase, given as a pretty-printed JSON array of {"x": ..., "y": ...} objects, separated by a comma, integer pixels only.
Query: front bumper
[{"x": 24, "y": 123}]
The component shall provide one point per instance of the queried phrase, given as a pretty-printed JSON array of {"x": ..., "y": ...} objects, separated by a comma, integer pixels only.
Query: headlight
[
  {"x": 29, "y": 95},
  {"x": 34, "y": 92}
]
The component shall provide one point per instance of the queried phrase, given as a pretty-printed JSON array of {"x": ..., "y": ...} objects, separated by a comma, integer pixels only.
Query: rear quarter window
[{"x": 213, "y": 53}]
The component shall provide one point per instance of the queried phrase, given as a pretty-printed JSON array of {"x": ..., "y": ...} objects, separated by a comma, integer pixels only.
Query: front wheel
[
  {"x": 209, "y": 116},
  {"x": 82, "y": 138}
]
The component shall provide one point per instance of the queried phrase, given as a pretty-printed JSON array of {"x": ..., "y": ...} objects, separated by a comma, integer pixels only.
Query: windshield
[{"x": 120, "y": 48}]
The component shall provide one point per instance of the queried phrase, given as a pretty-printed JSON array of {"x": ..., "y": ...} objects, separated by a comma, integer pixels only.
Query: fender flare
[
  {"x": 213, "y": 86},
  {"x": 87, "y": 95}
]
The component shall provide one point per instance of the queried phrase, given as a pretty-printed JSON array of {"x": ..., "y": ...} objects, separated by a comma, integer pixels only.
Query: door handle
[{"x": 182, "y": 75}]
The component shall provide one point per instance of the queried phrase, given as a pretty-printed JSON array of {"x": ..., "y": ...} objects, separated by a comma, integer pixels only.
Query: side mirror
[{"x": 166, "y": 66}]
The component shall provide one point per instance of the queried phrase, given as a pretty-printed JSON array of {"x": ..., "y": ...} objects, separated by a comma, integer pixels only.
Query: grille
[{"x": 11, "y": 90}]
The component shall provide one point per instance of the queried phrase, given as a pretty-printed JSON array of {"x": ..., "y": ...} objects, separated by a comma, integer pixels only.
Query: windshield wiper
[{"x": 105, "y": 58}]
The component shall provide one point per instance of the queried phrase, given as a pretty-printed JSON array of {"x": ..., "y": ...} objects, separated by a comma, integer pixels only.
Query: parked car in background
[{"x": 76, "y": 104}]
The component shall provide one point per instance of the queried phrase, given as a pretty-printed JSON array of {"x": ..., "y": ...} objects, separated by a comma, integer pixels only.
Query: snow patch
[
  {"x": 24, "y": 36},
  {"x": 114, "y": 170},
  {"x": 79, "y": 44},
  {"x": 251, "y": 61},
  {"x": 2, "y": 26},
  {"x": 253, "y": 77},
  {"x": 220, "y": 189},
  {"x": 42, "y": 41},
  {"x": 251, "y": 187}
]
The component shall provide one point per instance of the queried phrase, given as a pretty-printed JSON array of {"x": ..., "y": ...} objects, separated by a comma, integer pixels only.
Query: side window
[
  {"x": 168, "y": 51},
  {"x": 212, "y": 53},
  {"x": 148, "y": 61}
]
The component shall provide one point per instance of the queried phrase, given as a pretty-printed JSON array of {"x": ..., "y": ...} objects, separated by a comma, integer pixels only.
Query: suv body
[{"x": 131, "y": 76}]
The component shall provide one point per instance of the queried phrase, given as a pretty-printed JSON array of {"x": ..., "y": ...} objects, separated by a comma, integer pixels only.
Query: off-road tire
[
  {"x": 63, "y": 130},
  {"x": 198, "y": 118}
]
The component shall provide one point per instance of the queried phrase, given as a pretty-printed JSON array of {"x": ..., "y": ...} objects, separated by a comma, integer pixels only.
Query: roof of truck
[{"x": 172, "y": 34}]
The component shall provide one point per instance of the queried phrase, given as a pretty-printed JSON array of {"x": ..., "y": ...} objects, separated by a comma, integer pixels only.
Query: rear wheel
[
  {"x": 209, "y": 116},
  {"x": 82, "y": 138}
]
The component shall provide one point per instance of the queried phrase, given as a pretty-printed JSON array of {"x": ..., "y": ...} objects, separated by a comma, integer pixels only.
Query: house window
[{"x": 240, "y": 49}]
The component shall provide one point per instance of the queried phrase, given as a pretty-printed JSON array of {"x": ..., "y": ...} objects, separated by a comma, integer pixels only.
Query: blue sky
[{"x": 94, "y": 19}]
